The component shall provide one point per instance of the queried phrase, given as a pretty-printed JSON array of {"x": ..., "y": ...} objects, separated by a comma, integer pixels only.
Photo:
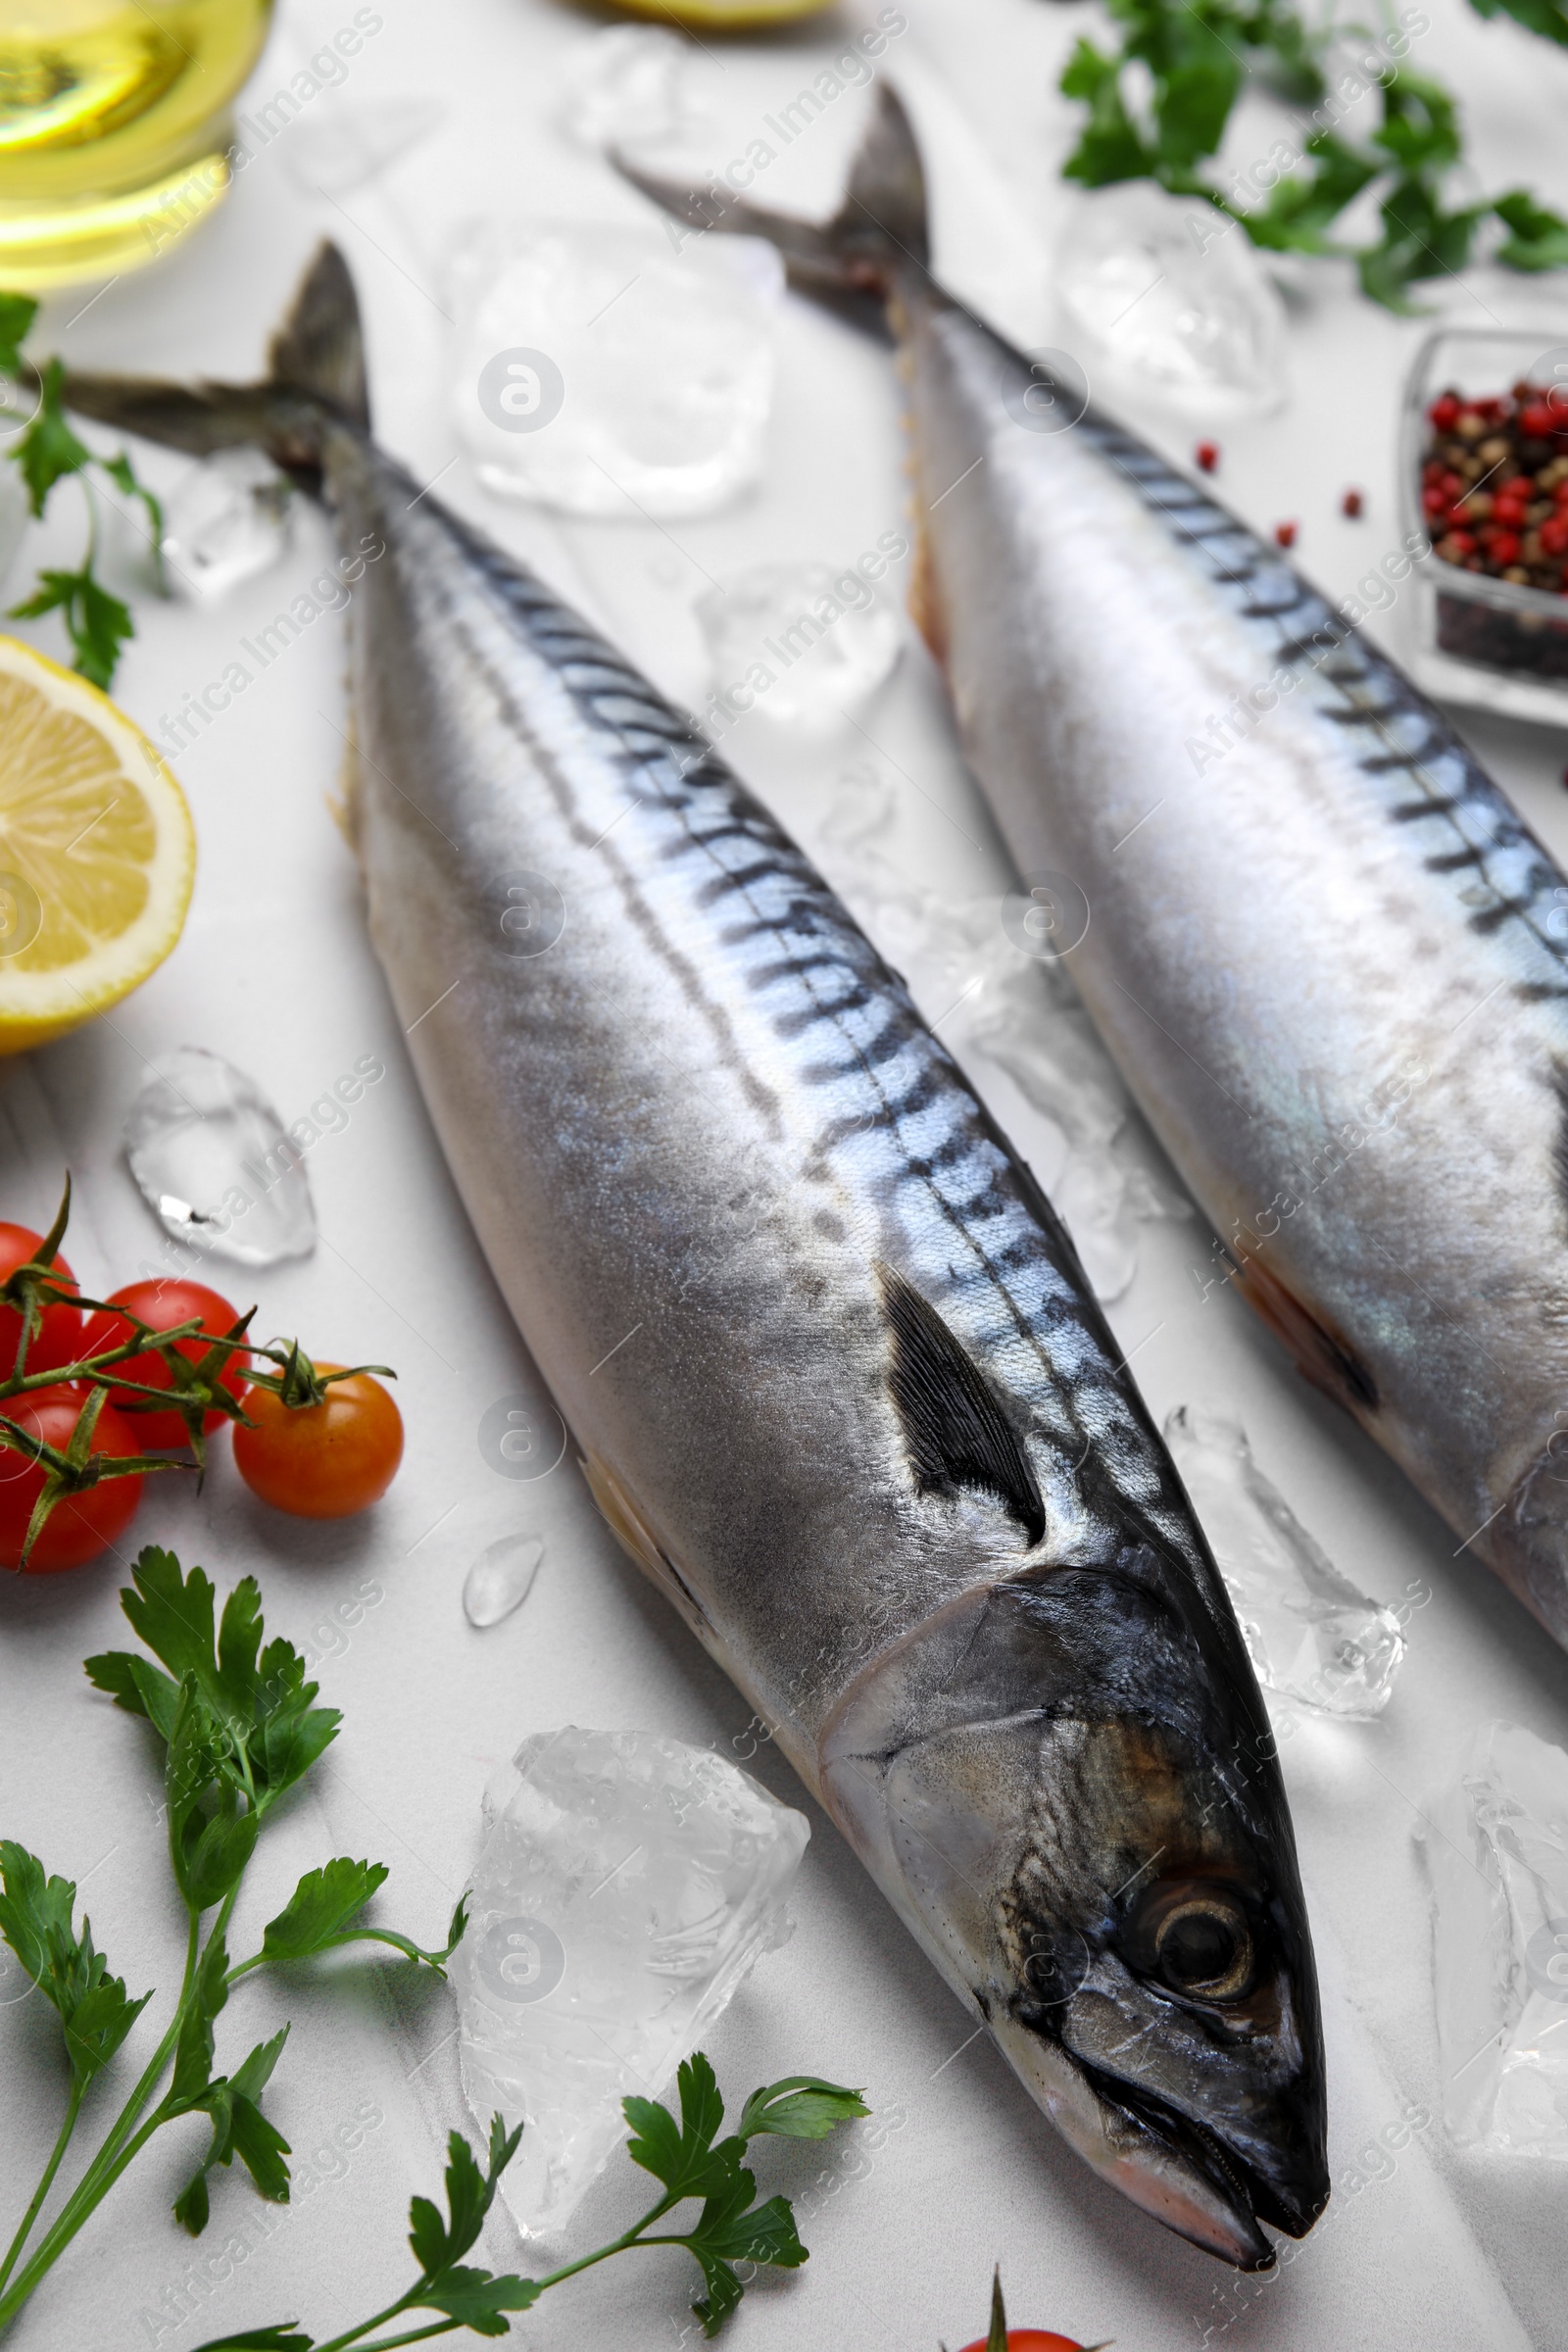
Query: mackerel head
[{"x": 831, "y": 1360}]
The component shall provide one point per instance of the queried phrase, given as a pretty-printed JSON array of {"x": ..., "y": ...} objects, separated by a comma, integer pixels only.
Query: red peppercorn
[
  {"x": 1560, "y": 494},
  {"x": 1503, "y": 548},
  {"x": 1508, "y": 511},
  {"x": 1554, "y": 535},
  {"x": 1443, "y": 412},
  {"x": 1538, "y": 421},
  {"x": 1352, "y": 505},
  {"x": 1207, "y": 455},
  {"x": 1462, "y": 543},
  {"x": 1285, "y": 533},
  {"x": 1434, "y": 500}
]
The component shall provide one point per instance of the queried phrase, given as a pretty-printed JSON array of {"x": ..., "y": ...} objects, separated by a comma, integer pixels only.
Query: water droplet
[
  {"x": 212, "y": 1160},
  {"x": 500, "y": 1579}
]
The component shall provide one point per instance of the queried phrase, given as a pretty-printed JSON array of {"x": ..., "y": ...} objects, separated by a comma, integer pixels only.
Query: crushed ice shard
[
  {"x": 500, "y": 1579},
  {"x": 625, "y": 86},
  {"x": 839, "y": 640},
  {"x": 1496, "y": 1855},
  {"x": 1170, "y": 302},
  {"x": 1311, "y": 1636},
  {"x": 626, "y": 1886},
  {"x": 228, "y": 520},
  {"x": 603, "y": 373},
  {"x": 212, "y": 1160}
]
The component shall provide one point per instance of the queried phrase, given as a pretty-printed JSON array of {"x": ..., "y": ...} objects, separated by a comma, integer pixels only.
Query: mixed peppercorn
[{"x": 1495, "y": 486}]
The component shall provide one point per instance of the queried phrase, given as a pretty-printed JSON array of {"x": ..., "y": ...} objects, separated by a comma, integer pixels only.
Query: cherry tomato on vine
[
  {"x": 322, "y": 1461},
  {"x": 81, "y": 1525},
  {"x": 1031, "y": 2339},
  {"x": 162, "y": 1304},
  {"x": 59, "y": 1339}
]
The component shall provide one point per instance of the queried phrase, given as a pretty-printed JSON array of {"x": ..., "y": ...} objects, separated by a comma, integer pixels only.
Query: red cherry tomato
[
  {"x": 322, "y": 1461},
  {"x": 81, "y": 1526},
  {"x": 162, "y": 1304},
  {"x": 58, "y": 1341},
  {"x": 1031, "y": 2339}
]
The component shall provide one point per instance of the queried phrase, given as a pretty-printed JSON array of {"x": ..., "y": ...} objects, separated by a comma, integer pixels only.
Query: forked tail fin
[
  {"x": 880, "y": 227},
  {"x": 317, "y": 360}
]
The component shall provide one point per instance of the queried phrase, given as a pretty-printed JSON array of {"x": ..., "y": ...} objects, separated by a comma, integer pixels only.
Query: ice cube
[
  {"x": 601, "y": 372},
  {"x": 626, "y": 1886},
  {"x": 1168, "y": 300},
  {"x": 358, "y": 145},
  {"x": 1311, "y": 1636},
  {"x": 214, "y": 1164},
  {"x": 626, "y": 85},
  {"x": 1496, "y": 1853},
  {"x": 501, "y": 1577},
  {"x": 228, "y": 520},
  {"x": 825, "y": 638}
]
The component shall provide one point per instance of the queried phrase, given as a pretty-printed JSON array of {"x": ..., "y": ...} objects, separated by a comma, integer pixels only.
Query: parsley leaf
[
  {"x": 1538, "y": 240},
  {"x": 16, "y": 315},
  {"x": 49, "y": 450},
  {"x": 94, "y": 2008},
  {"x": 320, "y": 1907},
  {"x": 800, "y": 2107},
  {"x": 96, "y": 622}
]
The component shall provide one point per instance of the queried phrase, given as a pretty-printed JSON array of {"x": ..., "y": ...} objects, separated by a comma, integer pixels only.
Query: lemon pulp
[{"x": 97, "y": 855}]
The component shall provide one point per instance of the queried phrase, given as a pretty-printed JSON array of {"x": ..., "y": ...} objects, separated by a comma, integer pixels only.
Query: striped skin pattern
[
  {"x": 699, "y": 1134},
  {"x": 1327, "y": 955}
]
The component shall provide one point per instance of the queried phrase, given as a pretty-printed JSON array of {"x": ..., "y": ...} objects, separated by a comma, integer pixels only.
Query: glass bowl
[{"x": 1495, "y": 644}]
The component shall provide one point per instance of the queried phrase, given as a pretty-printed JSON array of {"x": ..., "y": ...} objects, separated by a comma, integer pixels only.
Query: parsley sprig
[
  {"x": 239, "y": 1727},
  {"x": 685, "y": 2155},
  {"x": 194, "y": 1387},
  {"x": 1158, "y": 106},
  {"x": 97, "y": 622}
]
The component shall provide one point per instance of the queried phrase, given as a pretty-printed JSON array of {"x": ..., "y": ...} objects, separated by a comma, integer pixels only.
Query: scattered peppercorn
[
  {"x": 1207, "y": 455},
  {"x": 1353, "y": 506},
  {"x": 1284, "y": 534}
]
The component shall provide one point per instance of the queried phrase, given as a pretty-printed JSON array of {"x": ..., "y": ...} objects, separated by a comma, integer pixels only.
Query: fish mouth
[{"x": 1290, "y": 2199}]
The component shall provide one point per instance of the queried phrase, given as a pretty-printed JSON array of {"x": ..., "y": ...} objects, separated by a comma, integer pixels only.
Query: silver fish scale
[
  {"x": 1433, "y": 778},
  {"x": 843, "y": 1128},
  {"x": 1330, "y": 958}
]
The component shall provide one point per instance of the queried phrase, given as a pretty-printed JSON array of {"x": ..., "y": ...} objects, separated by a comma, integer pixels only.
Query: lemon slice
[
  {"x": 97, "y": 855},
  {"x": 722, "y": 15}
]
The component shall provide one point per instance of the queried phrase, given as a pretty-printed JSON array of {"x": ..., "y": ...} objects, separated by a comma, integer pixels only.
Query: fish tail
[
  {"x": 316, "y": 377},
  {"x": 880, "y": 229}
]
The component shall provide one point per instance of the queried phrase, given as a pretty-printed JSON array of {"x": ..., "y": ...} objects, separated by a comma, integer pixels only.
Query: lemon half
[
  {"x": 722, "y": 15},
  {"x": 97, "y": 855}
]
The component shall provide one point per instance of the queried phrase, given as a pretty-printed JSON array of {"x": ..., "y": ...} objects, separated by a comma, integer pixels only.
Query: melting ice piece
[
  {"x": 501, "y": 1577},
  {"x": 626, "y": 1886},
  {"x": 356, "y": 146},
  {"x": 229, "y": 519},
  {"x": 1171, "y": 302},
  {"x": 825, "y": 638},
  {"x": 1312, "y": 1636},
  {"x": 213, "y": 1161},
  {"x": 626, "y": 85},
  {"x": 1496, "y": 1853},
  {"x": 603, "y": 373}
]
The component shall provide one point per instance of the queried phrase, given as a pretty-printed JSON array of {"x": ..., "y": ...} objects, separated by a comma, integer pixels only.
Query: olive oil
[{"x": 114, "y": 125}]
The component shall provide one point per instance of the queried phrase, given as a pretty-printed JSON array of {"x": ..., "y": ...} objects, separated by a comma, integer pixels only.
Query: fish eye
[
  {"x": 1202, "y": 1947},
  {"x": 1201, "y": 1944}
]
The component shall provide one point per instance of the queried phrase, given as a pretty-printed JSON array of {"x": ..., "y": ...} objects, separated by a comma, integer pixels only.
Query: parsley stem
[
  {"x": 416, "y": 2336},
  {"x": 73, "y": 2110},
  {"x": 379, "y": 2318}
]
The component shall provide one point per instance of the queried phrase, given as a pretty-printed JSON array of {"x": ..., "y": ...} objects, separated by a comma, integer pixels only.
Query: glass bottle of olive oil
[{"x": 114, "y": 124}]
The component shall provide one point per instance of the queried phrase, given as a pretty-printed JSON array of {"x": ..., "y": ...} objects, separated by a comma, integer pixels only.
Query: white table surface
[{"x": 274, "y": 970}]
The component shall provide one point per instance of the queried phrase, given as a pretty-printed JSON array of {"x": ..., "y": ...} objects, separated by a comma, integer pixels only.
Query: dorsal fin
[{"x": 957, "y": 1432}]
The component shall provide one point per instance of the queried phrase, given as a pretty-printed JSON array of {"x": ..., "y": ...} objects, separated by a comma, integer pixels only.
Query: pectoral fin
[{"x": 956, "y": 1429}]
